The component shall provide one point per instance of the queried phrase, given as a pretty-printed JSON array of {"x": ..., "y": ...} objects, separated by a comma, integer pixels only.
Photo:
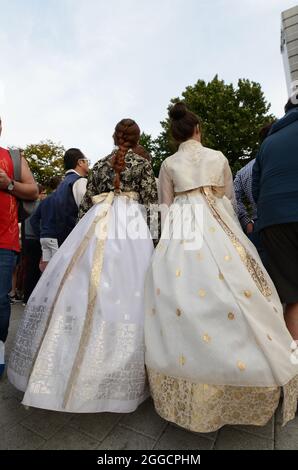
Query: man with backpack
[{"x": 10, "y": 191}]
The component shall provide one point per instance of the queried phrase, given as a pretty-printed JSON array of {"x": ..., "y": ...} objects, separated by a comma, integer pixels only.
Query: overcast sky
[{"x": 71, "y": 69}]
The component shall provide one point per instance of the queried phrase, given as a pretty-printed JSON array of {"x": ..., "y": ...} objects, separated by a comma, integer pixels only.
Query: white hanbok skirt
[
  {"x": 217, "y": 347},
  {"x": 80, "y": 344}
]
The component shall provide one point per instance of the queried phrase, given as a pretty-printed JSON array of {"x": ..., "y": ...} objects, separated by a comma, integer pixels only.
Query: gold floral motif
[
  {"x": 228, "y": 258},
  {"x": 212, "y": 229},
  {"x": 178, "y": 272},
  {"x": 206, "y": 408},
  {"x": 241, "y": 365},
  {"x": 247, "y": 294},
  {"x": 251, "y": 264},
  {"x": 231, "y": 316},
  {"x": 178, "y": 312},
  {"x": 182, "y": 360},
  {"x": 206, "y": 338},
  {"x": 202, "y": 293},
  {"x": 221, "y": 276},
  {"x": 290, "y": 400}
]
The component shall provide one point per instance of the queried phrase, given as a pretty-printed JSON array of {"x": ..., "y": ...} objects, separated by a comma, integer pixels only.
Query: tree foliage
[
  {"x": 231, "y": 119},
  {"x": 45, "y": 160}
]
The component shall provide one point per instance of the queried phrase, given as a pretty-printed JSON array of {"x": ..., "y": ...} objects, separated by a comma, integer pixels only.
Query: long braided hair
[{"x": 126, "y": 136}]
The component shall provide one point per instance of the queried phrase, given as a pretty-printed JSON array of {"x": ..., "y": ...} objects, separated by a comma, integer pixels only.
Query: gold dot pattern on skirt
[
  {"x": 158, "y": 291},
  {"x": 212, "y": 229},
  {"x": 247, "y": 294},
  {"x": 231, "y": 316},
  {"x": 206, "y": 338},
  {"x": 178, "y": 312},
  {"x": 227, "y": 258},
  {"x": 182, "y": 360},
  {"x": 221, "y": 277},
  {"x": 202, "y": 293},
  {"x": 269, "y": 337},
  {"x": 241, "y": 365},
  {"x": 178, "y": 272}
]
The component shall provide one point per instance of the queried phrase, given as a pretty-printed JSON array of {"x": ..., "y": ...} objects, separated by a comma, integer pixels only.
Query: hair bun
[{"x": 178, "y": 111}]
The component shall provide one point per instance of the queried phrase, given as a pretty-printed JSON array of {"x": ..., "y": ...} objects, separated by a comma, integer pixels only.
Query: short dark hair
[
  {"x": 182, "y": 122},
  {"x": 71, "y": 158},
  {"x": 291, "y": 104}
]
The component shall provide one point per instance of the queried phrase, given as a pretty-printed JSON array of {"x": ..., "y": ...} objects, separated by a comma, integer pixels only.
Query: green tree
[
  {"x": 150, "y": 144},
  {"x": 231, "y": 119},
  {"x": 45, "y": 160}
]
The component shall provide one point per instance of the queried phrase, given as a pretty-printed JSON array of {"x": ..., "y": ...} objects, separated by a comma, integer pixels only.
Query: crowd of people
[{"x": 119, "y": 308}]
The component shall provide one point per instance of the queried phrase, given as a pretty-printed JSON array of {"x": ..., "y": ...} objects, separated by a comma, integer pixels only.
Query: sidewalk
[{"x": 143, "y": 429}]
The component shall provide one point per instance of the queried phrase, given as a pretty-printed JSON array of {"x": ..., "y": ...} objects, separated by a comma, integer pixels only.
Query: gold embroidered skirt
[{"x": 213, "y": 317}]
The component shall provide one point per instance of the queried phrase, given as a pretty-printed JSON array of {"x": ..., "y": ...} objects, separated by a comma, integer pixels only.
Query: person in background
[
  {"x": 246, "y": 206},
  {"x": 275, "y": 190},
  {"x": 43, "y": 224},
  {"x": 10, "y": 190},
  {"x": 32, "y": 251},
  {"x": 70, "y": 192},
  {"x": 15, "y": 295}
]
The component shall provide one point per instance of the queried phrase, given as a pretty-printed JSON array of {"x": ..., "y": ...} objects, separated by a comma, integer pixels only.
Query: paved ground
[{"x": 143, "y": 429}]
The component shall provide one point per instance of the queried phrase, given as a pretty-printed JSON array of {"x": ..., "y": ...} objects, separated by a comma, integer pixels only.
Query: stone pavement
[{"x": 143, "y": 429}]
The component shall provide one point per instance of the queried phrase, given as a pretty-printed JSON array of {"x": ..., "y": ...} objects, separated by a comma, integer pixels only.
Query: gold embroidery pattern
[
  {"x": 77, "y": 255},
  {"x": 92, "y": 295},
  {"x": 206, "y": 408},
  {"x": 251, "y": 264},
  {"x": 206, "y": 338},
  {"x": 290, "y": 400},
  {"x": 241, "y": 366}
]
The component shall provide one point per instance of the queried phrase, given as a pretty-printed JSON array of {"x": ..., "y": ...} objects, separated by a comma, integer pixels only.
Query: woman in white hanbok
[
  {"x": 217, "y": 347},
  {"x": 80, "y": 344}
]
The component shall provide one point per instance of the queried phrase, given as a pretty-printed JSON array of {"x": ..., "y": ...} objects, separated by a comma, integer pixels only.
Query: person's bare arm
[{"x": 24, "y": 189}]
